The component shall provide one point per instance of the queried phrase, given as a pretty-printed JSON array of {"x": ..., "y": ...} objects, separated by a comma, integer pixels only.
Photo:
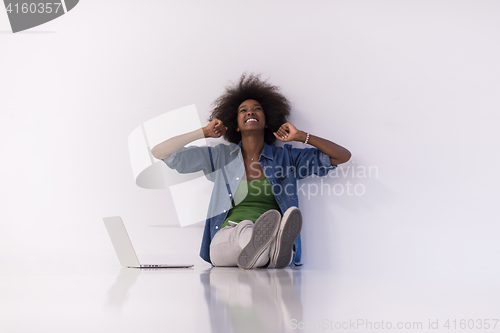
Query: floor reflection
[
  {"x": 257, "y": 300},
  {"x": 118, "y": 293}
]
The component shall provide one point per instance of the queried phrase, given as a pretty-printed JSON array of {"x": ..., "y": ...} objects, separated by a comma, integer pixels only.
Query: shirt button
[
  {"x": 224, "y": 211},
  {"x": 237, "y": 178},
  {"x": 230, "y": 195},
  {"x": 216, "y": 227}
]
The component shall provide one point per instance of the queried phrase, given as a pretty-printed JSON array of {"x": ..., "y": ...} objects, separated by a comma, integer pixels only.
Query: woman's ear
[{"x": 237, "y": 129}]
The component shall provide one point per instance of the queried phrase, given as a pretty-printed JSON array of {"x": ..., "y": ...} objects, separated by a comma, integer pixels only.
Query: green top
[{"x": 258, "y": 200}]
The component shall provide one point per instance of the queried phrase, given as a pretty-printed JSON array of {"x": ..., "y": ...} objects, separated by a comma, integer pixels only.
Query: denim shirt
[{"x": 223, "y": 165}]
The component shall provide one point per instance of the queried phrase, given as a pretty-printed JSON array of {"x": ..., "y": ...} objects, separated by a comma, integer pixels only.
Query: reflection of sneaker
[
  {"x": 263, "y": 234},
  {"x": 289, "y": 230}
]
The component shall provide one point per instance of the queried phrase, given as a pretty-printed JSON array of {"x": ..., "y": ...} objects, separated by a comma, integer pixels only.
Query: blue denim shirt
[{"x": 223, "y": 165}]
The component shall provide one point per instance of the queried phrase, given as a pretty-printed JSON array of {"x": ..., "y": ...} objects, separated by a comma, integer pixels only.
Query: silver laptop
[{"x": 123, "y": 245}]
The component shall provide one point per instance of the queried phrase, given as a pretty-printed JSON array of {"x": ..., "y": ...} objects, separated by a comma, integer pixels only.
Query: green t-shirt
[{"x": 258, "y": 200}]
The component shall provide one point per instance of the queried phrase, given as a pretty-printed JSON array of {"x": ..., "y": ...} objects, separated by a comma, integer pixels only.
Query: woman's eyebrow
[{"x": 257, "y": 104}]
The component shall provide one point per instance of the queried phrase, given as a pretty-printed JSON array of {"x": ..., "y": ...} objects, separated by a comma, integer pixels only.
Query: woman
[{"x": 254, "y": 181}]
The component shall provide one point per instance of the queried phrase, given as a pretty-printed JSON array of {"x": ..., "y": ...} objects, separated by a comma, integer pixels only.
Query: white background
[{"x": 409, "y": 87}]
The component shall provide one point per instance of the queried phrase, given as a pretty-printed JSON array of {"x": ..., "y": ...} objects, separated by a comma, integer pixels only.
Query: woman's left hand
[{"x": 287, "y": 132}]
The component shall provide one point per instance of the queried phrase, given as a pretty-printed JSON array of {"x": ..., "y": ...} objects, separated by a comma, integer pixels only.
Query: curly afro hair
[{"x": 276, "y": 106}]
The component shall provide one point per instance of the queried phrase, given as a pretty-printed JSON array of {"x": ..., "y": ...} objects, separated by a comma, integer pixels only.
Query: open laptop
[{"x": 123, "y": 245}]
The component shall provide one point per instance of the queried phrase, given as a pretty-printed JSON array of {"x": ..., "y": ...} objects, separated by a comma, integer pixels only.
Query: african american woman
[{"x": 253, "y": 218}]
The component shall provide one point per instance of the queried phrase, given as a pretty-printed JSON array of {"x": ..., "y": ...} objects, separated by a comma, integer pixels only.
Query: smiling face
[{"x": 251, "y": 116}]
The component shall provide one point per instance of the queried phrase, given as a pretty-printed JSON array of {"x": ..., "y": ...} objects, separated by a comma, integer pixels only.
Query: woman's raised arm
[
  {"x": 338, "y": 154},
  {"x": 163, "y": 150}
]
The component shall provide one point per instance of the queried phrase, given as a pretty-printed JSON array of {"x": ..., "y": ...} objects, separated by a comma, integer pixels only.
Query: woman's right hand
[{"x": 214, "y": 129}]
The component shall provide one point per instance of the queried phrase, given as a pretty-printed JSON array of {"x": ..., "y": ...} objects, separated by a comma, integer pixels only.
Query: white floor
[{"x": 206, "y": 299}]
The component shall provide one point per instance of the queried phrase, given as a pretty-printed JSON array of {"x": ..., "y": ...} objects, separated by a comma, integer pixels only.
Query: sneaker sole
[
  {"x": 264, "y": 232},
  {"x": 286, "y": 238}
]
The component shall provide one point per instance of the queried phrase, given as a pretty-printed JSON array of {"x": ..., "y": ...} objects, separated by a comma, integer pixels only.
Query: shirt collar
[{"x": 267, "y": 151}]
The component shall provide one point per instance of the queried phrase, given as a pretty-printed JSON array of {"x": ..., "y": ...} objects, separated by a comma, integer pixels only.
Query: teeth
[{"x": 251, "y": 119}]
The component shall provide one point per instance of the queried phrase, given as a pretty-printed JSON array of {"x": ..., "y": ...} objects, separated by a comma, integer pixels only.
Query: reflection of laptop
[{"x": 123, "y": 245}]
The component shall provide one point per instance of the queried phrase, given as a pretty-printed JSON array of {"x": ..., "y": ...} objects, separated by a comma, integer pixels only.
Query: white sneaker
[
  {"x": 289, "y": 230},
  {"x": 263, "y": 234}
]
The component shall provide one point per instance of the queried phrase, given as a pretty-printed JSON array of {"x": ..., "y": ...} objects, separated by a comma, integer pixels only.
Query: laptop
[{"x": 123, "y": 245}]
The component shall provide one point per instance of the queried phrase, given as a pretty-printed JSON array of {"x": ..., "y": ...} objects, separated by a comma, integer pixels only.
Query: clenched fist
[{"x": 214, "y": 129}]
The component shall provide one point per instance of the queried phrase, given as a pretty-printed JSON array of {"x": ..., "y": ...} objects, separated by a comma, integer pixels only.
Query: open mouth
[{"x": 251, "y": 120}]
